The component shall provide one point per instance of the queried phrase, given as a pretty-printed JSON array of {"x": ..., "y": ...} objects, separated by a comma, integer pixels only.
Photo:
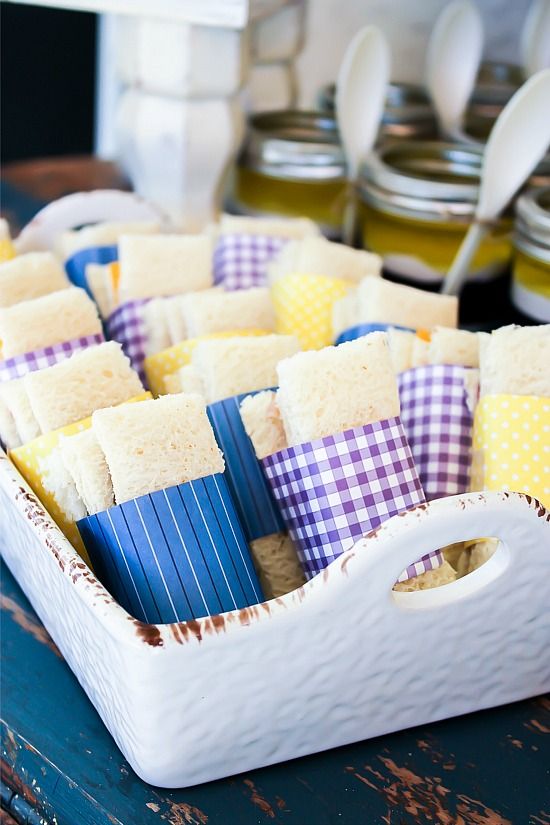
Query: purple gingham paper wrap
[
  {"x": 438, "y": 424},
  {"x": 335, "y": 489},
  {"x": 126, "y": 326},
  {"x": 240, "y": 260},
  {"x": 20, "y": 365}
]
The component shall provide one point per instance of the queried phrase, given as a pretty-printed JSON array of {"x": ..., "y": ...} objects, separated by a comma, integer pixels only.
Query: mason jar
[
  {"x": 291, "y": 165},
  {"x": 495, "y": 85},
  {"x": 417, "y": 200},
  {"x": 531, "y": 266},
  {"x": 408, "y": 113}
]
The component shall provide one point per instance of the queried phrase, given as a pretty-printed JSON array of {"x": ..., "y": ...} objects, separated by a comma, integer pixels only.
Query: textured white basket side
[{"x": 334, "y": 662}]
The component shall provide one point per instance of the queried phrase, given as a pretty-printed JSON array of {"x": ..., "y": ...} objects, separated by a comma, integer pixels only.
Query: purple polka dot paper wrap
[
  {"x": 38, "y": 359},
  {"x": 241, "y": 260},
  {"x": 438, "y": 423},
  {"x": 335, "y": 489},
  {"x": 125, "y": 325}
]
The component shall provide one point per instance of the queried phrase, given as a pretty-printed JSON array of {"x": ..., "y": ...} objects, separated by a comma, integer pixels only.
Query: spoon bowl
[
  {"x": 519, "y": 139},
  {"x": 452, "y": 63},
  {"x": 360, "y": 95}
]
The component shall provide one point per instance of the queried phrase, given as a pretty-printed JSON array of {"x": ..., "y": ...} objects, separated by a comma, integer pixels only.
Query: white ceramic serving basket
[{"x": 339, "y": 660}]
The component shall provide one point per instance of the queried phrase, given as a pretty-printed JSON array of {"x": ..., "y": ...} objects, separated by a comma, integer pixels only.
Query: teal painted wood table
[{"x": 61, "y": 767}]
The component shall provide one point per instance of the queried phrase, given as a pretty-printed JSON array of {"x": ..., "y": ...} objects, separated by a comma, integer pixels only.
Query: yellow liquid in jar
[
  {"x": 532, "y": 274},
  {"x": 321, "y": 201},
  {"x": 434, "y": 244}
]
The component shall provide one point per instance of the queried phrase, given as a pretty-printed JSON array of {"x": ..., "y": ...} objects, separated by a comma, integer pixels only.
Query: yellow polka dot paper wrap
[
  {"x": 32, "y": 461},
  {"x": 170, "y": 360},
  {"x": 7, "y": 250},
  {"x": 511, "y": 443},
  {"x": 303, "y": 307}
]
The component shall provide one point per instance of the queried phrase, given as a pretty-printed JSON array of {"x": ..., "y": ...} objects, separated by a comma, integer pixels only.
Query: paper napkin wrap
[
  {"x": 437, "y": 415},
  {"x": 335, "y": 489},
  {"x": 303, "y": 307},
  {"x": 31, "y": 460},
  {"x": 258, "y": 512},
  {"x": 241, "y": 260},
  {"x": 170, "y": 360},
  {"x": 175, "y": 554},
  {"x": 511, "y": 444},
  {"x": 38, "y": 359}
]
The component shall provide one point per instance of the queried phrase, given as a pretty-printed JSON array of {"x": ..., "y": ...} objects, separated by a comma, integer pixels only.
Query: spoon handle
[
  {"x": 349, "y": 217},
  {"x": 454, "y": 280}
]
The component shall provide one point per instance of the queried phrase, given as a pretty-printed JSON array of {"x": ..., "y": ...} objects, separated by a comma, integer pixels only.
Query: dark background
[{"x": 48, "y": 75}]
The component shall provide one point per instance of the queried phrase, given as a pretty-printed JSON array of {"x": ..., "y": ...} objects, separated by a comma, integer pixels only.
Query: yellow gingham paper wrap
[
  {"x": 7, "y": 250},
  {"x": 32, "y": 462},
  {"x": 170, "y": 360},
  {"x": 511, "y": 443},
  {"x": 303, "y": 307}
]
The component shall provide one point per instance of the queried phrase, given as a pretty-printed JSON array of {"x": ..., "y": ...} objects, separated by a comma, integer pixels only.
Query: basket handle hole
[{"x": 467, "y": 567}]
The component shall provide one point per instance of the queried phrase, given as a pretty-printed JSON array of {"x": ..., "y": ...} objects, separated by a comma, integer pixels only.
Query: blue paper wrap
[
  {"x": 174, "y": 555},
  {"x": 75, "y": 266},
  {"x": 256, "y": 506},
  {"x": 363, "y": 329}
]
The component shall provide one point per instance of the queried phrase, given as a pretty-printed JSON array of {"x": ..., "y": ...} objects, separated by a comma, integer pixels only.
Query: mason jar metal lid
[
  {"x": 430, "y": 180},
  {"x": 407, "y": 113},
  {"x": 532, "y": 227},
  {"x": 495, "y": 85},
  {"x": 496, "y": 82},
  {"x": 294, "y": 145}
]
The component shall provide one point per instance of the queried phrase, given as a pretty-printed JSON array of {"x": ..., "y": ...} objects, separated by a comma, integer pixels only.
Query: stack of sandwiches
[{"x": 218, "y": 322}]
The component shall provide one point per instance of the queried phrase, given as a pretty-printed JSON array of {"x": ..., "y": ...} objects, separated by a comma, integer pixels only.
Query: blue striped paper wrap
[
  {"x": 75, "y": 266},
  {"x": 359, "y": 330},
  {"x": 256, "y": 506},
  {"x": 174, "y": 555}
]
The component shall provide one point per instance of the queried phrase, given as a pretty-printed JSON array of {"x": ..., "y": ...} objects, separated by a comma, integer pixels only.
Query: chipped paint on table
[{"x": 489, "y": 768}]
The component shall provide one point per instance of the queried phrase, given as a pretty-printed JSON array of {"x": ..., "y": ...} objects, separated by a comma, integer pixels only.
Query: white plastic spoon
[
  {"x": 519, "y": 139},
  {"x": 452, "y": 63},
  {"x": 535, "y": 38},
  {"x": 360, "y": 95}
]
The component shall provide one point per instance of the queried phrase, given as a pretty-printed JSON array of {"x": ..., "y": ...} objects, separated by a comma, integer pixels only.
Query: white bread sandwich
[
  {"x": 50, "y": 319},
  {"x": 15, "y": 399},
  {"x": 344, "y": 313},
  {"x": 231, "y": 366},
  {"x": 275, "y": 227},
  {"x": 156, "y": 444},
  {"x": 154, "y": 265},
  {"x": 186, "y": 379},
  {"x": 420, "y": 351},
  {"x": 263, "y": 424},
  {"x": 337, "y": 388},
  {"x": 453, "y": 346},
  {"x": 8, "y": 429},
  {"x": 155, "y": 324},
  {"x": 30, "y": 276},
  {"x": 383, "y": 302},
  {"x": 100, "y": 282},
  {"x": 277, "y": 565},
  {"x": 218, "y": 311},
  {"x": 106, "y": 233},
  {"x": 444, "y": 574},
  {"x": 71, "y": 390},
  {"x": 317, "y": 256},
  {"x": 85, "y": 462},
  {"x": 516, "y": 361},
  {"x": 401, "y": 343}
]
